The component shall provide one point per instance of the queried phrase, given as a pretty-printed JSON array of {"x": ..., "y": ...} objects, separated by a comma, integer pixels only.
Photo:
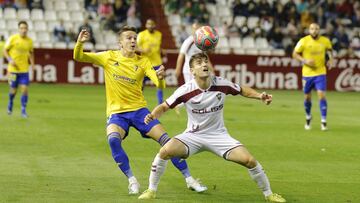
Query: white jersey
[
  {"x": 204, "y": 107},
  {"x": 188, "y": 48}
]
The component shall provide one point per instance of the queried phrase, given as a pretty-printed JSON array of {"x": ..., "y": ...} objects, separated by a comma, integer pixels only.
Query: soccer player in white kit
[{"x": 204, "y": 98}]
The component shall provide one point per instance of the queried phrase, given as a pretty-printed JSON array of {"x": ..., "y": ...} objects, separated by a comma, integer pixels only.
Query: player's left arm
[
  {"x": 251, "y": 93},
  {"x": 31, "y": 56},
  {"x": 32, "y": 59},
  {"x": 156, "y": 113},
  {"x": 157, "y": 77},
  {"x": 330, "y": 61}
]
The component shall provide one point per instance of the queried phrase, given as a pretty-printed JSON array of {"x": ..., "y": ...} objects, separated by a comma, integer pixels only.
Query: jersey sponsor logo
[
  {"x": 194, "y": 128},
  {"x": 210, "y": 110},
  {"x": 218, "y": 96},
  {"x": 123, "y": 78}
]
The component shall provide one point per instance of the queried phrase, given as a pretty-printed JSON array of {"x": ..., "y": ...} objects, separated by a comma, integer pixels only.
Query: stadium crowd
[{"x": 282, "y": 23}]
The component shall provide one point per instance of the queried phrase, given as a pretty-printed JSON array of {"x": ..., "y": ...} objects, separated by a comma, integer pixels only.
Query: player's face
[
  {"x": 150, "y": 25},
  {"x": 314, "y": 30},
  {"x": 128, "y": 41},
  {"x": 23, "y": 29},
  {"x": 200, "y": 68}
]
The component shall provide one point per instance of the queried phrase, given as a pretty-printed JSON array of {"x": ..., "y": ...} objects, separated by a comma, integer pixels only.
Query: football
[{"x": 206, "y": 38}]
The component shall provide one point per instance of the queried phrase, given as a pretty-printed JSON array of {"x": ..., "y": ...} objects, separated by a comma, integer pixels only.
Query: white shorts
[
  {"x": 219, "y": 144},
  {"x": 187, "y": 77}
]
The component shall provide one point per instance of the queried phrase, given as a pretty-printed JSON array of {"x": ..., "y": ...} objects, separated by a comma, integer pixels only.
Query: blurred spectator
[
  {"x": 251, "y": 8},
  {"x": 8, "y": 4},
  {"x": 203, "y": 14},
  {"x": 133, "y": 9},
  {"x": 345, "y": 9},
  {"x": 275, "y": 37},
  {"x": 264, "y": 8},
  {"x": 355, "y": 41},
  {"x": 133, "y": 21},
  {"x": 59, "y": 32},
  {"x": 71, "y": 35},
  {"x": 244, "y": 30},
  {"x": 105, "y": 9},
  {"x": 120, "y": 11},
  {"x": 302, "y": 6},
  {"x": 342, "y": 38},
  {"x": 187, "y": 13},
  {"x": 267, "y": 23},
  {"x": 88, "y": 27},
  {"x": 20, "y": 4},
  {"x": 92, "y": 7},
  {"x": 239, "y": 9},
  {"x": 356, "y": 18},
  {"x": 172, "y": 6},
  {"x": 320, "y": 17},
  {"x": 35, "y": 4},
  {"x": 279, "y": 13},
  {"x": 329, "y": 7}
]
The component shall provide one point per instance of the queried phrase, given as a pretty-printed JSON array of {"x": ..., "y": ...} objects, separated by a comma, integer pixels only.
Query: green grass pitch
[{"x": 60, "y": 153}]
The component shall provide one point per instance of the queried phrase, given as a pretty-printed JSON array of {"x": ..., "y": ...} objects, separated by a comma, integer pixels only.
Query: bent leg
[
  {"x": 158, "y": 134},
  {"x": 242, "y": 156},
  {"x": 173, "y": 148}
]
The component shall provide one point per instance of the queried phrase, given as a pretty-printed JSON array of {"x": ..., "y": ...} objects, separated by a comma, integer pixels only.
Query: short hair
[
  {"x": 126, "y": 28},
  {"x": 22, "y": 22},
  {"x": 202, "y": 55}
]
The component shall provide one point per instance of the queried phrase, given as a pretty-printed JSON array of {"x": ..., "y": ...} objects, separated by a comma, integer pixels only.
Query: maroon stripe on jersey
[
  {"x": 225, "y": 90},
  {"x": 186, "y": 97}
]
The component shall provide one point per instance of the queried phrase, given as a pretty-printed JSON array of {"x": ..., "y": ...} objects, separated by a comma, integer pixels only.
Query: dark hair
[
  {"x": 126, "y": 28},
  {"x": 22, "y": 22},
  {"x": 201, "y": 55}
]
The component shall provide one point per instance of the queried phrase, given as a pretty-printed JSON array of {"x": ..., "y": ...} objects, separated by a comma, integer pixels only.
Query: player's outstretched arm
[
  {"x": 156, "y": 113},
  {"x": 157, "y": 77},
  {"x": 80, "y": 55},
  {"x": 251, "y": 93}
]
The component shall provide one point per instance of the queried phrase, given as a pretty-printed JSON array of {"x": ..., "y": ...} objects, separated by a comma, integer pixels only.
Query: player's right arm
[
  {"x": 81, "y": 56},
  {"x": 156, "y": 113},
  {"x": 299, "y": 48},
  {"x": 8, "y": 46}
]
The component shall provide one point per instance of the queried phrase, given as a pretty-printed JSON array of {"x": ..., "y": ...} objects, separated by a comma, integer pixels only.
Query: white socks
[
  {"x": 157, "y": 169},
  {"x": 258, "y": 175}
]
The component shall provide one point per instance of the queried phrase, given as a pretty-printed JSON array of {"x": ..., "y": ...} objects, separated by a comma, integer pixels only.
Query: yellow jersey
[
  {"x": 19, "y": 49},
  {"x": 123, "y": 78},
  {"x": 314, "y": 49},
  {"x": 153, "y": 40}
]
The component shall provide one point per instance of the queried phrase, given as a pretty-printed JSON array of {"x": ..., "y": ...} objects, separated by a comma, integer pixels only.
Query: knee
[
  {"x": 250, "y": 162},
  {"x": 164, "y": 153}
]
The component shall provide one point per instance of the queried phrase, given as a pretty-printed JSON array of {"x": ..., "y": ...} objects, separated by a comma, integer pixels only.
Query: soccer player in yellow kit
[
  {"x": 149, "y": 44},
  {"x": 311, "y": 50},
  {"x": 126, "y": 107},
  {"x": 18, "y": 52}
]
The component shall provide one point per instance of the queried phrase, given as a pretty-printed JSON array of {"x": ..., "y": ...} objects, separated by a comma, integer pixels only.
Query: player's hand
[
  {"x": 148, "y": 118},
  {"x": 329, "y": 64},
  {"x": 12, "y": 62},
  {"x": 266, "y": 98},
  {"x": 310, "y": 62},
  {"x": 160, "y": 73},
  {"x": 83, "y": 36}
]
